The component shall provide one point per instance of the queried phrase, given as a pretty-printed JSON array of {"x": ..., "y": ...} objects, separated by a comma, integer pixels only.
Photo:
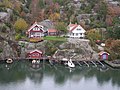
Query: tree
[
  {"x": 7, "y": 4},
  {"x": 20, "y": 25},
  {"x": 102, "y": 12},
  {"x": 113, "y": 32},
  {"x": 54, "y": 17},
  {"x": 93, "y": 34},
  {"x": 61, "y": 27},
  {"x": 115, "y": 46},
  {"x": 17, "y": 7}
]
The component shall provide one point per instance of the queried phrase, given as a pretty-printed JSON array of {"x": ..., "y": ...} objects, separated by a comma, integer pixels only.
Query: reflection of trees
[
  {"x": 11, "y": 73},
  {"x": 62, "y": 74},
  {"x": 36, "y": 76},
  {"x": 105, "y": 77}
]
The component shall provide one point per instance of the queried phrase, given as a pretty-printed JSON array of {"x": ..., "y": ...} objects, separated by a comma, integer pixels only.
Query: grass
[{"x": 54, "y": 38}]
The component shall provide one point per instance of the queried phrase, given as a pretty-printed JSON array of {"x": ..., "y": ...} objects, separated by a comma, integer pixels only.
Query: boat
[
  {"x": 9, "y": 60},
  {"x": 71, "y": 64}
]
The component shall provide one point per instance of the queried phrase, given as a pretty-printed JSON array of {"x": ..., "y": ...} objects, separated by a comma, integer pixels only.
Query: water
[{"x": 19, "y": 76}]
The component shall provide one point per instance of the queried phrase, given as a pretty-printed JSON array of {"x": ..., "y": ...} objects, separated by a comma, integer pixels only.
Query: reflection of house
[
  {"x": 35, "y": 31},
  {"x": 35, "y": 54},
  {"x": 76, "y": 31},
  {"x": 52, "y": 32},
  {"x": 103, "y": 55}
]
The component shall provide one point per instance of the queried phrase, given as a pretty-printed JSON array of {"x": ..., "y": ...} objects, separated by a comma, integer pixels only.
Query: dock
[
  {"x": 113, "y": 64},
  {"x": 79, "y": 63}
]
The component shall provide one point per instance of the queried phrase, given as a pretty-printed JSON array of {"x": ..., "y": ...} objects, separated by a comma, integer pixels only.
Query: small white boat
[
  {"x": 71, "y": 64},
  {"x": 9, "y": 60}
]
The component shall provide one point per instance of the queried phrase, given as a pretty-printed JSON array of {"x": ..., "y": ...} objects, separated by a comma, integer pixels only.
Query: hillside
[{"x": 100, "y": 18}]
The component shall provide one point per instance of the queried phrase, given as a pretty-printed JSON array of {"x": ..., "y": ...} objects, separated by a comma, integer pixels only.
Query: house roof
[
  {"x": 35, "y": 24},
  {"x": 103, "y": 52},
  {"x": 52, "y": 30},
  {"x": 36, "y": 50},
  {"x": 72, "y": 27}
]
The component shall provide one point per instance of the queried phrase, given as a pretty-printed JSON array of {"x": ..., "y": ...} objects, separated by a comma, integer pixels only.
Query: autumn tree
[
  {"x": 61, "y": 27},
  {"x": 113, "y": 32},
  {"x": 93, "y": 34},
  {"x": 109, "y": 20},
  {"x": 20, "y": 25},
  {"x": 17, "y": 6},
  {"x": 54, "y": 16},
  {"x": 7, "y": 4},
  {"x": 115, "y": 46}
]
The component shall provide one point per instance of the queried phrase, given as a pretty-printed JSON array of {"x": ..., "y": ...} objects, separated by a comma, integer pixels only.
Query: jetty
[{"x": 114, "y": 64}]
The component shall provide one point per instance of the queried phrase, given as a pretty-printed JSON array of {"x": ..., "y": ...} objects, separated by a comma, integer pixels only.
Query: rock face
[
  {"x": 77, "y": 49},
  {"x": 27, "y": 47},
  {"x": 7, "y": 51},
  {"x": 5, "y": 16}
]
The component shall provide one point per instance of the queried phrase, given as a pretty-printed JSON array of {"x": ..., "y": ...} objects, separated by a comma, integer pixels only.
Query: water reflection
[{"x": 20, "y": 72}]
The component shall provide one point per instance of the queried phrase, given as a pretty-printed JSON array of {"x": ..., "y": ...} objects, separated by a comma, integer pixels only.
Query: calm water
[{"x": 20, "y": 76}]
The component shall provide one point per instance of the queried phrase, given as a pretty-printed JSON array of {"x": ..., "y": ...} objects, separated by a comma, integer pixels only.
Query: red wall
[{"x": 34, "y": 55}]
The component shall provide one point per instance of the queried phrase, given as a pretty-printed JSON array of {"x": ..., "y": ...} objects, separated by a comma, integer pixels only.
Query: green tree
[
  {"x": 20, "y": 25},
  {"x": 113, "y": 32},
  {"x": 61, "y": 26},
  {"x": 93, "y": 35},
  {"x": 7, "y": 4},
  {"x": 102, "y": 12},
  {"x": 115, "y": 47}
]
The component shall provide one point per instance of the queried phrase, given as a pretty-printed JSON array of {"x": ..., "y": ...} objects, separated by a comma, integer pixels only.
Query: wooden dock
[
  {"x": 80, "y": 63},
  {"x": 113, "y": 65}
]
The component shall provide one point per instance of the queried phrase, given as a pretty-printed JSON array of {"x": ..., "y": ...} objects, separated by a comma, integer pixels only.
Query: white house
[{"x": 76, "y": 31}]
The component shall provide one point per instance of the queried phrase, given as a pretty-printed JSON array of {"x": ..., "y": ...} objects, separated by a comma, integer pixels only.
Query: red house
[
  {"x": 103, "y": 55},
  {"x": 35, "y": 32},
  {"x": 35, "y": 54},
  {"x": 52, "y": 32}
]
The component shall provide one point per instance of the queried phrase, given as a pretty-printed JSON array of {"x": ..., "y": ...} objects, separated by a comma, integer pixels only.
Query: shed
[{"x": 103, "y": 55}]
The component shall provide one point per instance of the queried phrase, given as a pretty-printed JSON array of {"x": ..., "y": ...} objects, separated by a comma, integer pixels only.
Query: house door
[{"x": 104, "y": 57}]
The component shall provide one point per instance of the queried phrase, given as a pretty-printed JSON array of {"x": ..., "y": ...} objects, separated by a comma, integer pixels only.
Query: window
[
  {"x": 78, "y": 29},
  {"x": 80, "y": 33},
  {"x": 36, "y": 29},
  {"x": 35, "y": 54},
  {"x": 73, "y": 34},
  {"x": 76, "y": 34}
]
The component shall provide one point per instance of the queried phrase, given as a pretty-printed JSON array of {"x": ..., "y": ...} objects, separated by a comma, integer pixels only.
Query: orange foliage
[
  {"x": 109, "y": 20},
  {"x": 54, "y": 16},
  {"x": 113, "y": 11}
]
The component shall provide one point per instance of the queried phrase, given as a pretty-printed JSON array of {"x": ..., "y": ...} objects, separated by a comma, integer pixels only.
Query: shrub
[{"x": 18, "y": 37}]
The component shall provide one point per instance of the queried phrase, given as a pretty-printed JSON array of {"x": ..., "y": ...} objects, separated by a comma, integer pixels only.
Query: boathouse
[
  {"x": 103, "y": 55},
  {"x": 35, "y": 54}
]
